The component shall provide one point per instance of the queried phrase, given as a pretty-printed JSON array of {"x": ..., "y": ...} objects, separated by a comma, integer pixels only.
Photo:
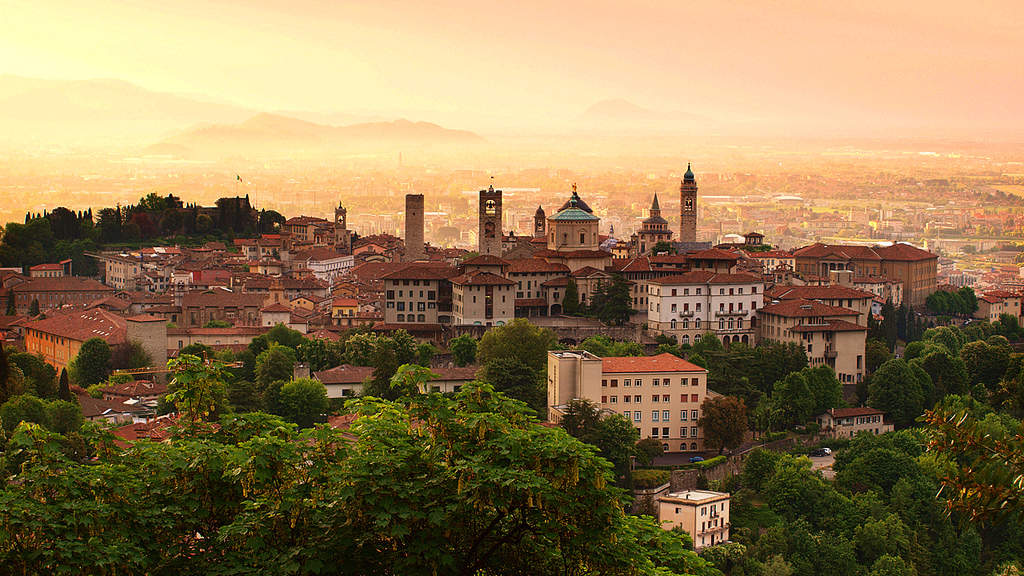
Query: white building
[{"x": 688, "y": 305}]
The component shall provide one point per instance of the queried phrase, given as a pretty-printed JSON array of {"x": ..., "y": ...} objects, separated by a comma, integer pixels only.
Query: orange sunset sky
[{"x": 924, "y": 67}]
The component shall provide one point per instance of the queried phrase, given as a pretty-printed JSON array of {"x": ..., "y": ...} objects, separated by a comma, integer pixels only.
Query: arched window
[
  {"x": 686, "y": 337},
  {"x": 401, "y": 317},
  {"x": 673, "y": 323},
  {"x": 583, "y": 237},
  {"x": 421, "y": 317},
  {"x": 693, "y": 446}
]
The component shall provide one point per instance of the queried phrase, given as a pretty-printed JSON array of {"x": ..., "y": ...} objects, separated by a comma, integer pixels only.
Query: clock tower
[
  {"x": 688, "y": 207},
  {"x": 490, "y": 233}
]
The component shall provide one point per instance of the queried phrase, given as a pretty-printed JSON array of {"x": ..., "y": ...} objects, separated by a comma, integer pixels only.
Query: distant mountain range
[
  {"x": 276, "y": 135},
  {"x": 113, "y": 113}
]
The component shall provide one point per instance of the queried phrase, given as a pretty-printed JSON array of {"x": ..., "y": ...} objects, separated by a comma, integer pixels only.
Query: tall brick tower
[
  {"x": 342, "y": 235},
  {"x": 688, "y": 207},
  {"x": 540, "y": 222},
  {"x": 489, "y": 235},
  {"x": 414, "y": 228}
]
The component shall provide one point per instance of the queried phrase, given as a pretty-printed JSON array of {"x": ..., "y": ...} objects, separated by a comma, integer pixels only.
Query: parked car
[
  {"x": 827, "y": 451},
  {"x": 694, "y": 459},
  {"x": 817, "y": 453}
]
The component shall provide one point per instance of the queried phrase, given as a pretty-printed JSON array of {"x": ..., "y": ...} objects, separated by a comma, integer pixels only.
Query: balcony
[
  {"x": 686, "y": 313},
  {"x": 738, "y": 313},
  {"x": 830, "y": 352}
]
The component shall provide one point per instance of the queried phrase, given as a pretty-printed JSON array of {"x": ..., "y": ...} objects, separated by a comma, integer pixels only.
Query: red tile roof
[
  {"x": 661, "y": 363},
  {"x": 276, "y": 307},
  {"x": 904, "y": 253},
  {"x": 479, "y": 278},
  {"x": 83, "y": 325},
  {"x": 345, "y": 374},
  {"x": 62, "y": 284},
  {"x": 705, "y": 277},
  {"x": 527, "y": 265},
  {"x": 485, "y": 260},
  {"x": 344, "y": 302},
  {"x": 422, "y": 271},
  {"x": 830, "y": 326},
  {"x": 713, "y": 254},
  {"x": 805, "y": 309},
  {"x": 851, "y": 412},
  {"x": 525, "y": 302},
  {"x": 817, "y": 293},
  {"x": 841, "y": 251}
]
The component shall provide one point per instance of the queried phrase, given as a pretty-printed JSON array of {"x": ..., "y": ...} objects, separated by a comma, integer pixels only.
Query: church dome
[{"x": 689, "y": 173}]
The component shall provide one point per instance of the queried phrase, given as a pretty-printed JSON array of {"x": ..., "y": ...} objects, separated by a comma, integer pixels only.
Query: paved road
[{"x": 824, "y": 463}]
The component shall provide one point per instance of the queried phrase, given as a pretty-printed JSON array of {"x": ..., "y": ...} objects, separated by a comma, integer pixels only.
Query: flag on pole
[{"x": 238, "y": 177}]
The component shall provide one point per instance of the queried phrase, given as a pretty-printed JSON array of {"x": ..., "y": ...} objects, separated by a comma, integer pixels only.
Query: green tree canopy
[
  {"x": 463, "y": 349},
  {"x": 304, "y": 402},
  {"x": 724, "y": 422},
  {"x": 520, "y": 340},
  {"x": 92, "y": 364}
]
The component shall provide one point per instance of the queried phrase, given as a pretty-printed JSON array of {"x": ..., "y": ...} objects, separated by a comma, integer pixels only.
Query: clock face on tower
[{"x": 490, "y": 207}]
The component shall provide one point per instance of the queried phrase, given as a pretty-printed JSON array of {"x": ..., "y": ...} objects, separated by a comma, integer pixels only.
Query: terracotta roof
[
  {"x": 1001, "y": 294},
  {"x": 136, "y": 389},
  {"x": 325, "y": 335},
  {"x": 770, "y": 254},
  {"x": 851, "y": 412},
  {"x": 805, "y": 309},
  {"x": 276, "y": 307},
  {"x": 113, "y": 302},
  {"x": 479, "y": 278},
  {"x": 48, "y": 266},
  {"x": 830, "y": 326},
  {"x": 62, "y": 284},
  {"x": 83, "y": 325},
  {"x": 345, "y": 374},
  {"x": 990, "y": 299},
  {"x": 525, "y": 302},
  {"x": 904, "y": 253},
  {"x": 573, "y": 254},
  {"x": 485, "y": 260},
  {"x": 841, "y": 251},
  {"x": 422, "y": 271},
  {"x": 221, "y": 299},
  {"x": 527, "y": 265},
  {"x": 95, "y": 407},
  {"x": 589, "y": 271},
  {"x": 339, "y": 301},
  {"x": 661, "y": 363},
  {"x": 705, "y": 277},
  {"x": 713, "y": 254},
  {"x": 817, "y": 293},
  {"x": 316, "y": 254}
]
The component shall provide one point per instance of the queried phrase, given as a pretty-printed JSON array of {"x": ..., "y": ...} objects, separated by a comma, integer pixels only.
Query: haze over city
[{"x": 659, "y": 288}]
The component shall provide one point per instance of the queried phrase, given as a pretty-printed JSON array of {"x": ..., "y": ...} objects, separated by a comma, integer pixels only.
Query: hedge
[{"x": 644, "y": 479}]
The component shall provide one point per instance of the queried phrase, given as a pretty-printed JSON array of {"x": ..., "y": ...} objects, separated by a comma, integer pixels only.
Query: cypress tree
[{"x": 64, "y": 388}]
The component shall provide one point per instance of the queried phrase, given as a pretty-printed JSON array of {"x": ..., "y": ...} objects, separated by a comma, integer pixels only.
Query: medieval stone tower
[
  {"x": 540, "y": 222},
  {"x": 342, "y": 235},
  {"x": 414, "y": 228},
  {"x": 688, "y": 207},
  {"x": 489, "y": 235}
]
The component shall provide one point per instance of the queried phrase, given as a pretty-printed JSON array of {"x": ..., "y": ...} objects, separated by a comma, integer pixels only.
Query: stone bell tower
[
  {"x": 688, "y": 207},
  {"x": 489, "y": 234}
]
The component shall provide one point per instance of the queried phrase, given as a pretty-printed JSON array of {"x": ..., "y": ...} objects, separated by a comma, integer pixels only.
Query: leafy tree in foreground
[
  {"x": 304, "y": 402},
  {"x": 507, "y": 496},
  {"x": 518, "y": 339},
  {"x": 92, "y": 364},
  {"x": 463, "y": 349},
  {"x": 517, "y": 380},
  {"x": 724, "y": 421},
  {"x": 901, "y": 390}
]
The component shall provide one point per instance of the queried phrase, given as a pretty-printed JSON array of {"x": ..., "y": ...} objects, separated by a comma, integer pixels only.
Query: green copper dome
[{"x": 689, "y": 173}]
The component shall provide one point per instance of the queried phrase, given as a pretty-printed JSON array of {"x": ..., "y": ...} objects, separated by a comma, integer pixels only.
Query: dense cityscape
[{"x": 345, "y": 289}]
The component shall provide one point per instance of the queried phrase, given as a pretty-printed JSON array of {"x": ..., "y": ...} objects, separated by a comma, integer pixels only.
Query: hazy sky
[{"x": 928, "y": 66}]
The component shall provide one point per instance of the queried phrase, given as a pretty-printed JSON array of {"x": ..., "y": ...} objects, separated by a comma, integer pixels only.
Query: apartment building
[
  {"x": 915, "y": 268},
  {"x": 661, "y": 395},
  {"x": 828, "y": 334},
  {"x": 848, "y": 422},
  {"x": 483, "y": 299},
  {"x": 832, "y": 295},
  {"x": 418, "y": 293},
  {"x": 55, "y": 292},
  {"x": 691, "y": 304},
  {"x": 703, "y": 514},
  {"x": 995, "y": 303}
]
